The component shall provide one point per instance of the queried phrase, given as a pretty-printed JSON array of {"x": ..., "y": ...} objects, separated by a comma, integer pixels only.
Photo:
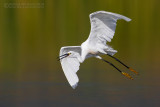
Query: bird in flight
[{"x": 103, "y": 25}]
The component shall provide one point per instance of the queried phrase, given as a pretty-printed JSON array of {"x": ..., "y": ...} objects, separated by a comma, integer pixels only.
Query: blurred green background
[{"x": 32, "y": 33}]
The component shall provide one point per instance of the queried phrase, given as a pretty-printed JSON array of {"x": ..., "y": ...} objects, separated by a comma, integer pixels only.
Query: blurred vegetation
[{"x": 30, "y": 38}]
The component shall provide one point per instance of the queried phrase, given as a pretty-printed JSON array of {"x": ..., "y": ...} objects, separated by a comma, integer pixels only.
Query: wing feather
[
  {"x": 70, "y": 65},
  {"x": 103, "y": 25}
]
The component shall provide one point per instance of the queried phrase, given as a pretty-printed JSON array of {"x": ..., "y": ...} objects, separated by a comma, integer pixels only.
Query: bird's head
[
  {"x": 72, "y": 54},
  {"x": 68, "y": 54}
]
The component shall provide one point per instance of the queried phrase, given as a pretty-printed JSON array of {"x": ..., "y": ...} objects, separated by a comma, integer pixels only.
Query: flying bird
[{"x": 103, "y": 25}]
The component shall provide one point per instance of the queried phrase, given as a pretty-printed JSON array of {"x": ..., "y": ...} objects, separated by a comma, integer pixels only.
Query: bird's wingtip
[
  {"x": 74, "y": 86},
  {"x": 128, "y": 19},
  {"x": 106, "y": 12}
]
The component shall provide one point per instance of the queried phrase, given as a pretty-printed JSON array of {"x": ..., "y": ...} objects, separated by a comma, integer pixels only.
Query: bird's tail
[{"x": 110, "y": 51}]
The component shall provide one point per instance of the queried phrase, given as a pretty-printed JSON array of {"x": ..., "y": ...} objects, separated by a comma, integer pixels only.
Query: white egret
[{"x": 103, "y": 25}]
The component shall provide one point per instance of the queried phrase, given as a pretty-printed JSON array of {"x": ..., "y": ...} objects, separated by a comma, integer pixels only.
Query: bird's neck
[
  {"x": 83, "y": 57},
  {"x": 83, "y": 52}
]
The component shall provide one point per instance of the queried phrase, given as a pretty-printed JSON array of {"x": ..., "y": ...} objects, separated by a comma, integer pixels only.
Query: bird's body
[{"x": 103, "y": 26}]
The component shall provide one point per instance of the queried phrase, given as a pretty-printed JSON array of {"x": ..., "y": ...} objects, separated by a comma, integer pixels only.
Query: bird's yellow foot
[
  {"x": 133, "y": 71},
  {"x": 127, "y": 75}
]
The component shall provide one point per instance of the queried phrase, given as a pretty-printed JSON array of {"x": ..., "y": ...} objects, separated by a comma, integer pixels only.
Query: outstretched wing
[
  {"x": 70, "y": 65},
  {"x": 103, "y": 25}
]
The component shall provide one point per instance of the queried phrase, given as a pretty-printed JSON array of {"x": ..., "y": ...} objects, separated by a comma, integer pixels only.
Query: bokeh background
[{"x": 32, "y": 33}]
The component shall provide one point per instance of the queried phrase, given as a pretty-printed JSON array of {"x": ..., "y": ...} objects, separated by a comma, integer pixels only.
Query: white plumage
[
  {"x": 70, "y": 65},
  {"x": 103, "y": 25}
]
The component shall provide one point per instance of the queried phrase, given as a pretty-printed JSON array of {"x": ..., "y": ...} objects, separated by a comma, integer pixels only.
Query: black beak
[{"x": 62, "y": 56}]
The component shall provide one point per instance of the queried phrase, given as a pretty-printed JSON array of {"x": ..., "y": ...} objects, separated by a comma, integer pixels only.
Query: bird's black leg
[
  {"x": 123, "y": 64},
  {"x": 125, "y": 74}
]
